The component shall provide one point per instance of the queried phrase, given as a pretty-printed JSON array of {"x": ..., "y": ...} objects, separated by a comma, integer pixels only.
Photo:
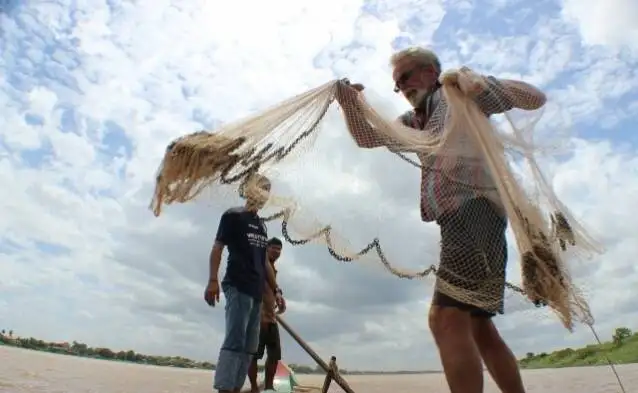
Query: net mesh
[{"x": 465, "y": 164}]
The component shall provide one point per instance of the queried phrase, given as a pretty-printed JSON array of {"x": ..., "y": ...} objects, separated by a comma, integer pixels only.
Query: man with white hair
[{"x": 472, "y": 224}]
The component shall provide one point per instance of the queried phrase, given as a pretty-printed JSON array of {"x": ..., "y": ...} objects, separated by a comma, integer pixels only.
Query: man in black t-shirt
[{"x": 243, "y": 233}]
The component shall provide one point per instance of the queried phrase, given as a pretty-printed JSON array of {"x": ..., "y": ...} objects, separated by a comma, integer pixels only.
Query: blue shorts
[{"x": 243, "y": 314}]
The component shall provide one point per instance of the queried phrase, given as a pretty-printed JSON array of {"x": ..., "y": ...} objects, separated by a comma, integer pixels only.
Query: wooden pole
[
  {"x": 330, "y": 375},
  {"x": 331, "y": 370}
]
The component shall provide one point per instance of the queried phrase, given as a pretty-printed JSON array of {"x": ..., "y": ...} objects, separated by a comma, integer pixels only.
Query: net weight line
[
  {"x": 238, "y": 167},
  {"x": 374, "y": 245},
  {"x": 233, "y": 166},
  {"x": 245, "y": 164}
]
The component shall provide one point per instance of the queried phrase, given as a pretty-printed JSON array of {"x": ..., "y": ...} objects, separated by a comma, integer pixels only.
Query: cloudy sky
[{"x": 91, "y": 92}]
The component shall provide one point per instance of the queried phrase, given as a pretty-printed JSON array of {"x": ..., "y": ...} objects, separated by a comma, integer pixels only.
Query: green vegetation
[
  {"x": 75, "y": 348},
  {"x": 79, "y": 349},
  {"x": 622, "y": 349}
]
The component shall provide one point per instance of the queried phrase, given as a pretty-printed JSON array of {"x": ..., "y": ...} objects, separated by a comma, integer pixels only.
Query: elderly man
[
  {"x": 243, "y": 232},
  {"x": 472, "y": 224}
]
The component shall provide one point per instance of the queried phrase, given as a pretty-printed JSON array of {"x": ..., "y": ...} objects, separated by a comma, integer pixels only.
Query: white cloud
[
  {"x": 613, "y": 23},
  {"x": 91, "y": 92}
]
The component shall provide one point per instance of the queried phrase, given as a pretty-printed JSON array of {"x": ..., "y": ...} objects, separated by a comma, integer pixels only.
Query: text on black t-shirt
[{"x": 244, "y": 234}]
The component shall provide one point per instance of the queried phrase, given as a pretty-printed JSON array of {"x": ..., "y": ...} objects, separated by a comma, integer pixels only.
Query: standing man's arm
[
  {"x": 215, "y": 260},
  {"x": 211, "y": 295},
  {"x": 223, "y": 237}
]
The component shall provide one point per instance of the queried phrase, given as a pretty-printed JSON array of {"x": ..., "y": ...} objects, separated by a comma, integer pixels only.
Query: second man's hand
[
  {"x": 211, "y": 294},
  {"x": 281, "y": 304},
  {"x": 347, "y": 92}
]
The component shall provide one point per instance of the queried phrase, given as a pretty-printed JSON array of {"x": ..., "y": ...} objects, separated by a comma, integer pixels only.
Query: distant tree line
[
  {"x": 76, "y": 348},
  {"x": 622, "y": 349},
  {"x": 80, "y": 349}
]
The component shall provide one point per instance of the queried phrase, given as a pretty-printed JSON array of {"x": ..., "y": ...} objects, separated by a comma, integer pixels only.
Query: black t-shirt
[{"x": 244, "y": 234}]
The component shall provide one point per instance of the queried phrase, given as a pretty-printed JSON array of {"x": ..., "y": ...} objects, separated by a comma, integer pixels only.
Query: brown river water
[{"x": 24, "y": 371}]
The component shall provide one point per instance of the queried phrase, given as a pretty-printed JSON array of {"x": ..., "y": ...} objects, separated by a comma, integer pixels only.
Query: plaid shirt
[{"x": 445, "y": 191}]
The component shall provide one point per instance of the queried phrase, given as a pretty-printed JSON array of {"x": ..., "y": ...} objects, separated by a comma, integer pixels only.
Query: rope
[
  {"x": 609, "y": 362},
  {"x": 374, "y": 245}
]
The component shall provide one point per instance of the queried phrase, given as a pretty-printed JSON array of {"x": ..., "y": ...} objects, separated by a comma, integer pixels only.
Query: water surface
[{"x": 24, "y": 371}]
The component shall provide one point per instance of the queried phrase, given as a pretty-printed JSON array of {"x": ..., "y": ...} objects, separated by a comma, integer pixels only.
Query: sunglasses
[{"x": 404, "y": 78}]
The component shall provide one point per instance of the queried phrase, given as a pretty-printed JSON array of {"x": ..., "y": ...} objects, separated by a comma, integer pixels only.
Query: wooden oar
[{"x": 331, "y": 371}]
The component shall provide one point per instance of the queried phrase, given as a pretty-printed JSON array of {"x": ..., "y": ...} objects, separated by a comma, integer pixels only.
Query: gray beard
[{"x": 417, "y": 99}]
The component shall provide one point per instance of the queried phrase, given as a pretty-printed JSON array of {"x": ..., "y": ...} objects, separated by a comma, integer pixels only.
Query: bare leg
[
  {"x": 252, "y": 376},
  {"x": 452, "y": 331},
  {"x": 271, "y": 368},
  {"x": 499, "y": 359}
]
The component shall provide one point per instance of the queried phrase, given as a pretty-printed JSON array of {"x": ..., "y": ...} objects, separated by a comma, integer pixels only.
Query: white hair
[{"x": 420, "y": 55}]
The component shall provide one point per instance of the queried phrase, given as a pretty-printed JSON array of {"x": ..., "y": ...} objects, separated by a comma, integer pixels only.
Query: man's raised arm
[
  {"x": 523, "y": 95},
  {"x": 363, "y": 133},
  {"x": 502, "y": 95}
]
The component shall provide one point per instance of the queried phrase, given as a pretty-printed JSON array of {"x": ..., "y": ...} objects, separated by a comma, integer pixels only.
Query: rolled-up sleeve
[
  {"x": 503, "y": 95},
  {"x": 494, "y": 99}
]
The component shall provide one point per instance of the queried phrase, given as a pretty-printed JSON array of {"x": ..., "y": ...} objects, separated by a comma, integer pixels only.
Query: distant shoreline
[
  {"x": 84, "y": 351},
  {"x": 363, "y": 373},
  {"x": 623, "y": 349}
]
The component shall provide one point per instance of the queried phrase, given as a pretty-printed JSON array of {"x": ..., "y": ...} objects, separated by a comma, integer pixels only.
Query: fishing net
[{"x": 459, "y": 144}]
